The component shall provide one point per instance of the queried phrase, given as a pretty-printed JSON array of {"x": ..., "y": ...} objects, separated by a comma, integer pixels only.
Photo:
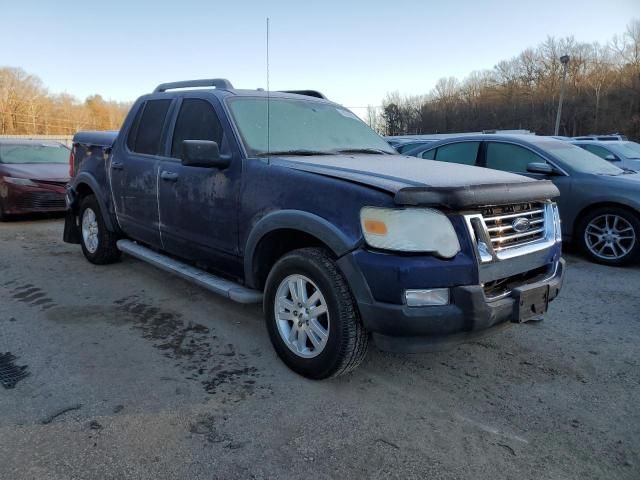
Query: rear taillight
[{"x": 72, "y": 161}]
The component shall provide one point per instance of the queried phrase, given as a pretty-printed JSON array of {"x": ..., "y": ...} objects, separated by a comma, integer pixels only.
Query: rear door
[
  {"x": 465, "y": 152},
  {"x": 199, "y": 206},
  {"x": 134, "y": 173}
]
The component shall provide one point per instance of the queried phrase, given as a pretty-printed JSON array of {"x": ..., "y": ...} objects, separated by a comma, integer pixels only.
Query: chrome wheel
[
  {"x": 90, "y": 230},
  {"x": 610, "y": 237},
  {"x": 301, "y": 316}
]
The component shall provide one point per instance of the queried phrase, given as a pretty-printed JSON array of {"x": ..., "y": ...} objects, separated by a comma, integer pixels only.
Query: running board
[{"x": 218, "y": 285}]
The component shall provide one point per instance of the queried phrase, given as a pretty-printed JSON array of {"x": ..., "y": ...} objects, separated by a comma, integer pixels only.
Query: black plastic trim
[
  {"x": 477, "y": 195},
  {"x": 302, "y": 221}
]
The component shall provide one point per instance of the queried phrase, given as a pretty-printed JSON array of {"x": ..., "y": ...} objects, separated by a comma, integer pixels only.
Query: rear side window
[
  {"x": 197, "y": 120},
  {"x": 429, "y": 154},
  {"x": 146, "y": 130},
  {"x": 509, "y": 157},
  {"x": 463, "y": 152}
]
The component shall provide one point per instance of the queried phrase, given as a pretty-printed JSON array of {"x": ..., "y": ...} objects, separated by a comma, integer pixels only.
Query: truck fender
[
  {"x": 320, "y": 228},
  {"x": 98, "y": 191}
]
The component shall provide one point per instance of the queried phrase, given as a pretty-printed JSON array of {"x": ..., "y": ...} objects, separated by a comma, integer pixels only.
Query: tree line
[
  {"x": 602, "y": 93},
  {"x": 28, "y": 108}
]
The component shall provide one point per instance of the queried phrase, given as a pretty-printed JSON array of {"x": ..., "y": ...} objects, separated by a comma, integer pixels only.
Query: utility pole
[{"x": 565, "y": 62}]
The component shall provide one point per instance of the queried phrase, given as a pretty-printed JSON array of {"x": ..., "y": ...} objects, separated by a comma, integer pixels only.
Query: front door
[
  {"x": 199, "y": 205},
  {"x": 134, "y": 173}
]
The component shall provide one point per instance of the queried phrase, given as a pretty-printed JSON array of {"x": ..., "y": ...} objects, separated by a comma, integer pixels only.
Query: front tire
[
  {"x": 312, "y": 317},
  {"x": 610, "y": 235},
  {"x": 98, "y": 243}
]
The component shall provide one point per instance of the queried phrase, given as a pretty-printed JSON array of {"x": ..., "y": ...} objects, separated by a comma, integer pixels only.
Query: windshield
[
  {"x": 578, "y": 159},
  {"x": 17, "y": 153},
  {"x": 302, "y": 127},
  {"x": 626, "y": 149}
]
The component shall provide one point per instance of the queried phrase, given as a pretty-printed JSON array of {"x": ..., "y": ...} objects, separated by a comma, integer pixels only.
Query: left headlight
[
  {"x": 409, "y": 230},
  {"x": 19, "y": 181}
]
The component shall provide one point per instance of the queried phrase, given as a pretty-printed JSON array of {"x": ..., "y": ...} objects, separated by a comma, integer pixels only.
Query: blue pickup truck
[{"x": 289, "y": 199}]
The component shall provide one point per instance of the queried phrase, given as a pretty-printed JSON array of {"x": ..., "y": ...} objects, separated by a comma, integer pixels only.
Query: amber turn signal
[{"x": 375, "y": 227}]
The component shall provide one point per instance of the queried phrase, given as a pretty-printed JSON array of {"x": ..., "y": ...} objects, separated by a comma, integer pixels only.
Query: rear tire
[
  {"x": 610, "y": 236},
  {"x": 98, "y": 243},
  {"x": 315, "y": 345}
]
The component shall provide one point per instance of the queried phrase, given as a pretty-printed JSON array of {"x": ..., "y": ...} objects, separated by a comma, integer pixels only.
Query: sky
[{"x": 352, "y": 51}]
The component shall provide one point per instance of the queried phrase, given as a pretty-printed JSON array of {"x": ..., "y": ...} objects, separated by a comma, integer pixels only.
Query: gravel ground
[{"x": 137, "y": 374}]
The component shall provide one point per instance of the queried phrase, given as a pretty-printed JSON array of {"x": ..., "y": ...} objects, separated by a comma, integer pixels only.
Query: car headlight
[
  {"x": 19, "y": 181},
  {"x": 557, "y": 223},
  {"x": 409, "y": 230}
]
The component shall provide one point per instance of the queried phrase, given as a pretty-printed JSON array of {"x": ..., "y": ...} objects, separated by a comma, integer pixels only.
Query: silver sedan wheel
[
  {"x": 90, "y": 230},
  {"x": 301, "y": 316},
  {"x": 610, "y": 236}
]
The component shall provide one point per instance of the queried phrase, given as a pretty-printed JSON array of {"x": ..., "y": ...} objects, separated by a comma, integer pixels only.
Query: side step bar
[{"x": 218, "y": 285}]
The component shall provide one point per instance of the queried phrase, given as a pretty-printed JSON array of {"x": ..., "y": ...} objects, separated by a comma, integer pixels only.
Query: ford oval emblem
[{"x": 521, "y": 225}]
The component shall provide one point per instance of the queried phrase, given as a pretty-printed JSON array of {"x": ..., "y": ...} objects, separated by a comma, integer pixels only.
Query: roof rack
[
  {"x": 308, "y": 93},
  {"x": 208, "y": 82}
]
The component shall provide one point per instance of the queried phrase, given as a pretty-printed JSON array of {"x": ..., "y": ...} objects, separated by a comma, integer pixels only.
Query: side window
[
  {"x": 462, "y": 152},
  {"x": 597, "y": 150},
  {"x": 133, "y": 131},
  {"x": 429, "y": 154},
  {"x": 509, "y": 157},
  {"x": 197, "y": 120},
  {"x": 146, "y": 130}
]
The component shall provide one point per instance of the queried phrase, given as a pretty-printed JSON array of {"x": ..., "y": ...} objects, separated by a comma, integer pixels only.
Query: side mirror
[
  {"x": 540, "y": 167},
  {"x": 203, "y": 153},
  {"x": 611, "y": 158}
]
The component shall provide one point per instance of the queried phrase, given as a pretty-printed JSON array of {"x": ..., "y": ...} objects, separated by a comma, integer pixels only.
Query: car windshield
[
  {"x": 626, "y": 149},
  {"x": 578, "y": 159},
  {"x": 22, "y": 153},
  {"x": 302, "y": 127}
]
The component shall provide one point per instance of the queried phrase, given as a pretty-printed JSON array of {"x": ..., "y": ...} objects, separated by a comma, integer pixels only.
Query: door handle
[
  {"x": 169, "y": 176},
  {"x": 117, "y": 165}
]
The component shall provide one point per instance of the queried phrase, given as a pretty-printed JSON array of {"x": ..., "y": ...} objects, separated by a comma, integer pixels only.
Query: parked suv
[{"x": 289, "y": 199}]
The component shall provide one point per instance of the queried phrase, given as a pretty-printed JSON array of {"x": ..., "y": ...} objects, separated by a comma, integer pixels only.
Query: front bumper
[
  {"x": 23, "y": 199},
  {"x": 399, "y": 328}
]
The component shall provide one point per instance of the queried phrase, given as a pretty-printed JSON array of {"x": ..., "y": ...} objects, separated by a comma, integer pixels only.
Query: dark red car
[{"x": 32, "y": 176}]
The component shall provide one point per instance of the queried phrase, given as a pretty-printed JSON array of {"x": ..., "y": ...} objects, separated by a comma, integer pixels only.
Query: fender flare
[
  {"x": 337, "y": 241},
  {"x": 98, "y": 192}
]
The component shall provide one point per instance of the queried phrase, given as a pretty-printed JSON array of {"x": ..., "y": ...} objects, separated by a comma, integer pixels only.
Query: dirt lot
[{"x": 164, "y": 380}]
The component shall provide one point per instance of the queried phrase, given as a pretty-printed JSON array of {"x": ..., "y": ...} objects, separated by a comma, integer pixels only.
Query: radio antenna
[{"x": 268, "y": 100}]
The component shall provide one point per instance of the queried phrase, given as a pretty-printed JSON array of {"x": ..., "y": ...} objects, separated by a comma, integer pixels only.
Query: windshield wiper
[
  {"x": 364, "y": 150},
  {"x": 300, "y": 152}
]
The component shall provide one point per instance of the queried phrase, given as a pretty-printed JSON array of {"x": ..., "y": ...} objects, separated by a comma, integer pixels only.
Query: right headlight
[{"x": 409, "y": 230}]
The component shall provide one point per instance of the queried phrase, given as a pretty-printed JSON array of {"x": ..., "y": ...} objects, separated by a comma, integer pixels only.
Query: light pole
[{"x": 565, "y": 62}]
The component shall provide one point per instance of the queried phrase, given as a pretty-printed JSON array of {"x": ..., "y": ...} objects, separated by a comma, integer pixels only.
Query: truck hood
[{"x": 414, "y": 181}]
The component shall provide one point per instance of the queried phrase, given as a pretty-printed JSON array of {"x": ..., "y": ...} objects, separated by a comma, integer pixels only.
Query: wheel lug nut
[{"x": 295, "y": 312}]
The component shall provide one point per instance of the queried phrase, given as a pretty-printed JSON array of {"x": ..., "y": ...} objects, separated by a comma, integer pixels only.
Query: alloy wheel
[
  {"x": 90, "y": 230},
  {"x": 302, "y": 316},
  {"x": 610, "y": 236}
]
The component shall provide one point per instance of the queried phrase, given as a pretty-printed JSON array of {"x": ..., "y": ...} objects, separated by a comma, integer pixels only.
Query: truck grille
[
  {"x": 38, "y": 201},
  {"x": 514, "y": 225}
]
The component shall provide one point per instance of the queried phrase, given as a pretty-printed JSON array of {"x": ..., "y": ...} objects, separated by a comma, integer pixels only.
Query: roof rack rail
[
  {"x": 308, "y": 93},
  {"x": 207, "y": 82}
]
